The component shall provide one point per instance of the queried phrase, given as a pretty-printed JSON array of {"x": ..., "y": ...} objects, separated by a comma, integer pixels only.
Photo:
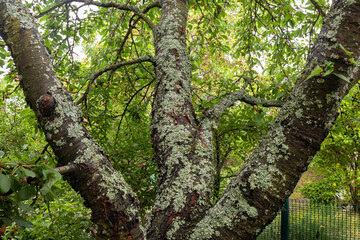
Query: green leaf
[
  {"x": 26, "y": 192},
  {"x": 2, "y": 154},
  {"x": 28, "y": 173},
  {"x": 328, "y": 72},
  {"x": 316, "y": 71},
  {"x": 21, "y": 222},
  {"x": 45, "y": 190},
  {"x": 48, "y": 193},
  {"x": 15, "y": 185},
  {"x": 342, "y": 77},
  {"x": 5, "y": 184},
  {"x": 6, "y": 221},
  {"x": 17, "y": 155},
  {"x": 67, "y": 33},
  {"x": 346, "y": 51},
  {"x": 352, "y": 60}
]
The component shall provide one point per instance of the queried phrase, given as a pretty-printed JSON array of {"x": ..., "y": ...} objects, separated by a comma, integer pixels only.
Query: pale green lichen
[
  {"x": 48, "y": 136},
  {"x": 175, "y": 226},
  {"x": 66, "y": 106},
  {"x": 334, "y": 56},
  {"x": 224, "y": 214},
  {"x": 90, "y": 154},
  {"x": 318, "y": 103},
  {"x": 116, "y": 186},
  {"x": 320, "y": 80},
  {"x": 60, "y": 142},
  {"x": 299, "y": 113},
  {"x": 264, "y": 177},
  {"x": 75, "y": 130},
  {"x": 16, "y": 11}
]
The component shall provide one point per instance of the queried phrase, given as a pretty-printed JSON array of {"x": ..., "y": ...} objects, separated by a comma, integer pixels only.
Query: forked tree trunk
[{"x": 182, "y": 142}]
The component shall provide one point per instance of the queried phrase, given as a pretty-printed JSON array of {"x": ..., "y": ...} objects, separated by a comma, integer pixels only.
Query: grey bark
[
  {"x": 114, "y": 205},
  {"x": 183, "y": 143}
]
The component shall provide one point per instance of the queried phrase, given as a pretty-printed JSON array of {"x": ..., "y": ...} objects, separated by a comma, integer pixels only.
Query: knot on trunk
[{"x": 47, "y": 105}]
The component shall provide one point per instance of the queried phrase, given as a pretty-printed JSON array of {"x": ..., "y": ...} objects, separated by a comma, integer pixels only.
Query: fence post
[{"x": 285, "y": 221}]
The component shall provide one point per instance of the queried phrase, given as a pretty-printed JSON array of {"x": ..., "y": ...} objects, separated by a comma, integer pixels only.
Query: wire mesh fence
[{"x": 313, "y": 221}]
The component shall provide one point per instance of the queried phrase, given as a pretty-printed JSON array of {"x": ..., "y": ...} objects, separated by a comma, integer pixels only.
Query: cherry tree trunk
[{"x": 182, "y": 141}]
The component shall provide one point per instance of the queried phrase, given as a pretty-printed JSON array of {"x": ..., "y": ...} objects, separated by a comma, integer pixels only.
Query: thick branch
[
  {"x": 215, "y": 112},
  {"x": 182, "y": 150},
  {"x": 67, "y": 168},
  {"x": 115, "y": 66},
  {"x": 124, "y": 7},
  {"x": 260, "y": 188},
  {"x": 113, "y": 203}
]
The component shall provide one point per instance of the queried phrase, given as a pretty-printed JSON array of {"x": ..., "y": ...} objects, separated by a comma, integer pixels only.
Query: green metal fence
[{"x": 312, "y": 221}]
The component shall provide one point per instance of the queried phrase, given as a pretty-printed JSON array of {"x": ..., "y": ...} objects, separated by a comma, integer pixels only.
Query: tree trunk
[
  {"x": 183, "y": 144},
  {"x": 114, "y": 205},
  {"x": 256, "y": 194},
  {"x": 183, "y": 147}
]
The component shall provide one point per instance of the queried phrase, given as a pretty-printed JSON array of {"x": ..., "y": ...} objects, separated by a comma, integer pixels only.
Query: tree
[{"x": 182, "y": 140}]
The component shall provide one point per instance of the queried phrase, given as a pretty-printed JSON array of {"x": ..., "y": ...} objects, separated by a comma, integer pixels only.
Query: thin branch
[
  {"x": 124, "y": 7},
  {"x": 109, "y": 68},
  {"x": 216, "y": 111},
  {"x": 318, "y": 7},
  {"x": 42, "y": 152},
  {"x": 53, "y": 8},
  {"x": 128, "y": 103},
  {"x": 16, "y": 88},
  {"x": 67, "y": 168},
  {"x": 132, "y": 26},
  {"x": 248, "y": 81}
]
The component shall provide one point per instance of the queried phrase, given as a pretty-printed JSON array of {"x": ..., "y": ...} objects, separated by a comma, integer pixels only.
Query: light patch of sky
[
  {"x": 79, "y": 53},
  {"x": 3, "y": 69},
  {"x": 82, "y": 13},
  {"x": 300, "y": 41}
]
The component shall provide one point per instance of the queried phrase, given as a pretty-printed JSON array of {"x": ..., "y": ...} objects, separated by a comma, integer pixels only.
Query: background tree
[{"x": 151, "y": 52}]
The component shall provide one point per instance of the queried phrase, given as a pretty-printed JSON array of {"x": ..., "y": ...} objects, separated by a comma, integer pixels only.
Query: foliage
[
  {"x": 256, "y": 46},
  {"x": 25, "y": 173},
  {"x": 323, "y": 190},
  {"x": 64, "y": 218}
]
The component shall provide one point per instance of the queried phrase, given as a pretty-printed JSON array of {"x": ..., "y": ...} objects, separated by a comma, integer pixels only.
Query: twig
[
  {"x": 216, "y": 111},
  {"x": 318, "y": 7},
  {"x": 109, "y": 68},
  {"x": 67, "y": 168},
  {"x": 128, "y": 103},
  {"x": 124, "y": 7},
  {"x": 42, "y": 152}
]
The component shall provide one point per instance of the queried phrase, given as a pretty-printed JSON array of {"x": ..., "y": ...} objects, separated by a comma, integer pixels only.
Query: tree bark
[
  {"x": 183, "y": 144},
  {"x": 256, "y": 194},
  {"x": 182, "y": 151},
  {"x": 114, "y": 205}
]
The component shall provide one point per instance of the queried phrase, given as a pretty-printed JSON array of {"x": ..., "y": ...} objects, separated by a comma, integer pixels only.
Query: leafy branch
[
  {"x": 128, "y": 104},
  {"x": 217, "y": 110},
  {"x": 111, "y": 67},
  {"x": 318, "y": 7},
  {"x": 124, "y": 7}
]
